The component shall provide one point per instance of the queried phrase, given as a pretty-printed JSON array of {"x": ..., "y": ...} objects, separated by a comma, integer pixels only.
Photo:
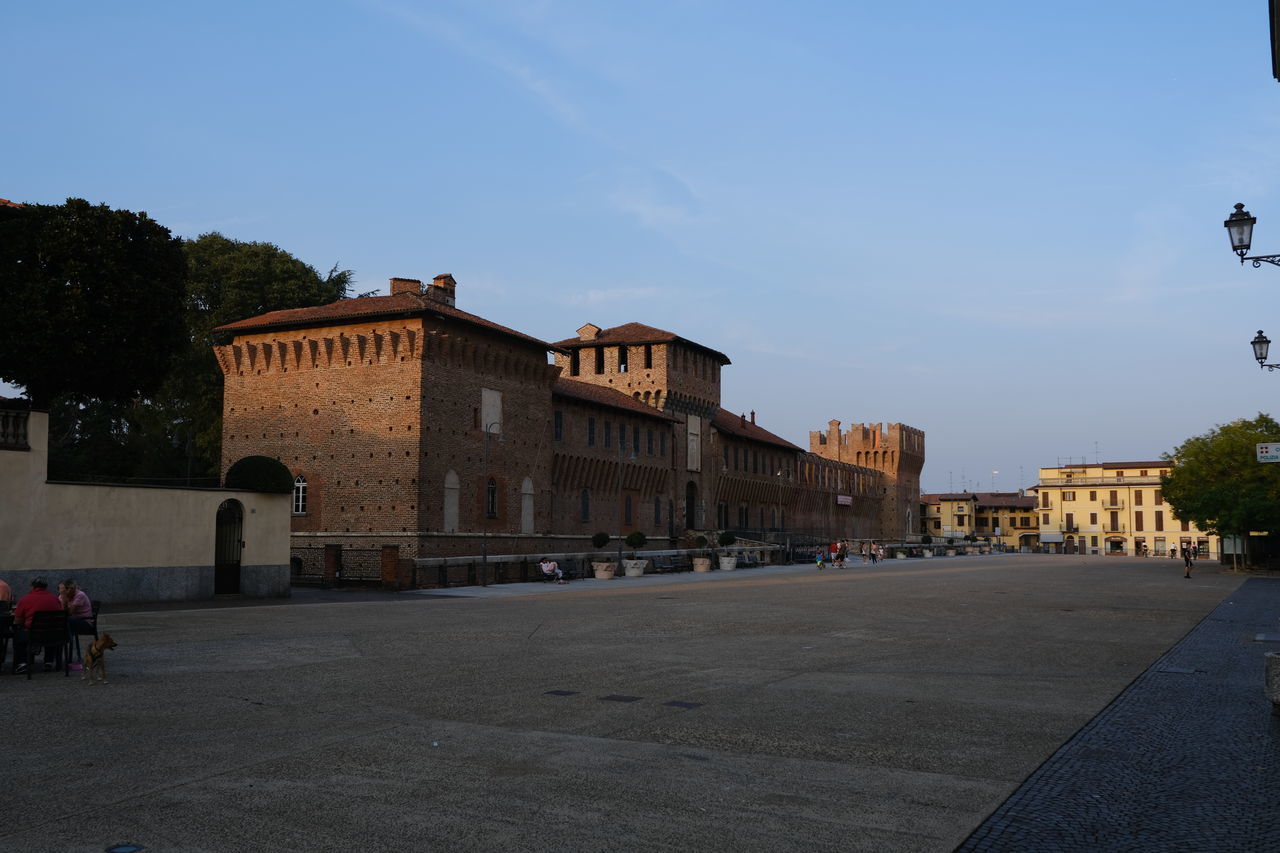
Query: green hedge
[{"x": 259, "y": 474}]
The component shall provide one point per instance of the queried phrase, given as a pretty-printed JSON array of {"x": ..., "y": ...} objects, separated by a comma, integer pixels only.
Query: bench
[
  {"x": 568, "y": 568},
  {"x": 661, "y": 565}
]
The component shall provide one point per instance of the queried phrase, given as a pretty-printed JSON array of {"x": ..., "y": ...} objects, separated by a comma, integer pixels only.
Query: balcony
[
  {"x": 1068, "y": 482},
  {"x": 1108, "y": 503},
  {"x": 1113, "y": 527}
]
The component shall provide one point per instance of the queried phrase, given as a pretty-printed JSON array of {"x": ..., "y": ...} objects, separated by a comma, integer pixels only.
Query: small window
[
  {"x": 657, "y": 511},
  {"x": 608, "y": 434},
  {"x": 591, "y": 432},
  {"x": 635, "y": 440},
  {"x": 648, "y": 356},
  {"x": 599, "y": 360},
  {"x": 622, "y": 359},
  {"x": 626, "y": 511},
  {"x": 649, "y": 442},
  {"x": 575, "y": 363},
  {"x": 1068, "y": 496},
  {"x": 300, "y": 495},
  {"x": 558, "y": 419},
  {"x": 585, "y": 505},
  {"x": 491, "y": 499},
  {"x": 662, "y": 444}
]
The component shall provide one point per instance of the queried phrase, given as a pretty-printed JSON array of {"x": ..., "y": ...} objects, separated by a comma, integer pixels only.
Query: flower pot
[
  {"x": 702, "y": 564},
  {"x": 951, "y": 552},
  {"x": 926, "y": 553},
  {"x": 634, "y": 568},
  {"x": 728, "y": 564},
  {"x": 604, "y": 571},
  {"x": 901, "y": 555}
]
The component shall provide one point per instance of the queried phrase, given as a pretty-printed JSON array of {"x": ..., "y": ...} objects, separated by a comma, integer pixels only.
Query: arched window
[
  {"x": 300, "y": 495},
  {"x": 657, "y": 511},
  {"x": 491, "y": 499},
  {"x": 586, "y": 505},
  {"x": 526, "y": 505}
]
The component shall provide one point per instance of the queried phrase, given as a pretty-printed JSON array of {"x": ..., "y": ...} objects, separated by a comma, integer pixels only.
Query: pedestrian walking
[
  {"x": 865, "y": 548},
  {"x": 1188, "y": 561},
  {"x": 841, "y": 554}
]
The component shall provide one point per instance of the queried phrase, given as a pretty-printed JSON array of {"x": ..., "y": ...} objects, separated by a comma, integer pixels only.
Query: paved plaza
[{"x": 898, "y": 707}]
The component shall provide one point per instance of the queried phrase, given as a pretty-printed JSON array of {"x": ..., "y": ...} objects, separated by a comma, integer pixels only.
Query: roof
[
  {"x": 603, "y": 396},
  {"x": 1157, "y": 464},
  {"x": 736, "y": 425},
  {"x": 637, "y": 333},
  {"x": 1005, "y": 499},
  {"x": 368, "y": 308},
  {"x": 4, "y": 202}
]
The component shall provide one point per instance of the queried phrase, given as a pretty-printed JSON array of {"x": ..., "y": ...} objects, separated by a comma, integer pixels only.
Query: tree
[
  {"x": 229, "y": 280},
  {"x": 93, "y": 300},
  {"x": 1217, "y": 483}
]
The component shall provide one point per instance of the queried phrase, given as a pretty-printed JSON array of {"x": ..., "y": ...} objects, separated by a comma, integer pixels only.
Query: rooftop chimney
[
  {"x": 443, "y": 289},
  {"x": 753, "y": 415},
  {"x": 405, "y": 285}
]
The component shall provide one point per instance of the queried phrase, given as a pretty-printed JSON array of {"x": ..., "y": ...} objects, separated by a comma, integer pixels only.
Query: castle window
[
  {"x": 558, "y": 429},
  {"x": 575, "y": 363},
  {"x": 635, "y": 441},
  {"x": 608, "y": 434},
  {"x": 648, "y": 356},
  {"x": 662, "y": 444},
  {"x": 599, "y": 360},
  {"x": 649, "y": 443},
  {"x": 491, "y": 499},
  {"x": 657, "y": 511},
  {"x": 591, "y": 432},
  {"x": 622, "y": 359},
  {"x": 626, "y": 511},
  {"x": 300, "y": 495},
  {"x": 585, "y": 505}
]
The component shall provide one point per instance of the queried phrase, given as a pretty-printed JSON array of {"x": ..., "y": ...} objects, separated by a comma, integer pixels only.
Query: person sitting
[
  {"x": 79, "y": 608},
  {"x": 38, "y": 599},
  {"x": 551, "y": 569}
]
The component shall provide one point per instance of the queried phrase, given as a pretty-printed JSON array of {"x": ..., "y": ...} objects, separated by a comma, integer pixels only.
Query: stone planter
[
  {"x": 634, "y": 568},
  {"x": 702, "y": 564},
  {"x": 951, "y": 552},
  {"x": 927, "y": 553},
  {"x": 728, "y": 564},
  {"x": 604, "y": 571},
  {"x": 901, "y": 555}
]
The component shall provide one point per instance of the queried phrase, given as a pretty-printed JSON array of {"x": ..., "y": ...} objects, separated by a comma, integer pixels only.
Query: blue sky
[{"x": 999, "y": 222}]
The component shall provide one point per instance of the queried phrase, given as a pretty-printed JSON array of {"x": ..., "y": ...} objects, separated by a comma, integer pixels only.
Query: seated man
[
  {"x": 550, "y": 568},
  {"x": 39, "y": 598}
]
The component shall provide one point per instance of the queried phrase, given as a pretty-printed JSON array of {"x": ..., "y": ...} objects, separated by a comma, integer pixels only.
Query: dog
[{"x": 96, "y": 658}]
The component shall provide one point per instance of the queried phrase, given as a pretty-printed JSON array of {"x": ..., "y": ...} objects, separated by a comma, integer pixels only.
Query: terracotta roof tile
[
  {"x": 600, "y": 395},
  {"x": 367, "y": 308},
  {"x": 728, "y": 422},
  {"x": 637, "y": 333}
]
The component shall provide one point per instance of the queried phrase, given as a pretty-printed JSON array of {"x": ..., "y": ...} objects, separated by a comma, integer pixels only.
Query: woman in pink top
[{"x": 76, "y": 602}]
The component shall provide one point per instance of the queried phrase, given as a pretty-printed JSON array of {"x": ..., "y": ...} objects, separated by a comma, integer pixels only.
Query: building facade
[
  {"x": 1007, "y": 519},
  {"x": 1113, "y": 508},
  {"x": 407, "y": 421}
]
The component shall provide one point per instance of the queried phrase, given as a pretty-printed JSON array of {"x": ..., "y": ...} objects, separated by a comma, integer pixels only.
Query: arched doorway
[
  {"x": 691, "y": 506},
  {"x": 228, "y": 543}
]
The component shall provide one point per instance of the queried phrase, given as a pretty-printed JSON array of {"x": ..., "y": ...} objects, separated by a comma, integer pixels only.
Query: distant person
[
  {"x": 818, "y": 556},
  {"x": 841, "y": 555},
  {"x": 551, "y": 569},
  {"x": 79, "y": 608},
  {"x": 865, "y": 549},
  {"x": 6, "y": 594},
  {"x": 1188, "y": 561}
]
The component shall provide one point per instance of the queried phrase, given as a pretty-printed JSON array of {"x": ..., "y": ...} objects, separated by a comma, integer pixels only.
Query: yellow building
[
  {"x": 1114, "y": 508},
  {"x": 1007, "y": 519}
]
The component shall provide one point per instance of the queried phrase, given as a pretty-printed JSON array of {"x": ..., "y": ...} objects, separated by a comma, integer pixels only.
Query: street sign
[{"x": 1268, "y": 452}]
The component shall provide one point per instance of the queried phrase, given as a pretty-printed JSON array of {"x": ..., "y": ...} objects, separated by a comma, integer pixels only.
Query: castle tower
[{"x": 897, "y": 451}]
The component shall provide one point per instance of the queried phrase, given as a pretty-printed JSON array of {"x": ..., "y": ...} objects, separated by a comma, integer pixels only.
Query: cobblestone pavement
[{"x": 1186, "y": 759}]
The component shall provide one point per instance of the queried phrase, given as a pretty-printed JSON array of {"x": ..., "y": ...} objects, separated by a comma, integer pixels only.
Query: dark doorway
[
  {"x": 691, "y": 506},
  {"x": 228, "y": 542}
]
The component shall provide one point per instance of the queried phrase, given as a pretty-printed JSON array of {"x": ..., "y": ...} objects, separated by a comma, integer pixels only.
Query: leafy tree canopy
[
  {"x": 93, "y": 300},
  {"x": 1216, "y": 481}
]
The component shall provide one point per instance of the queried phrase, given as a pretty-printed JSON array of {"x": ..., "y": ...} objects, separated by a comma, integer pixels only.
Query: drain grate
[
  {"x": 678, "y": 704},
  {"x": 561, "y": 693},
  {"x": 616, "y": 698}
]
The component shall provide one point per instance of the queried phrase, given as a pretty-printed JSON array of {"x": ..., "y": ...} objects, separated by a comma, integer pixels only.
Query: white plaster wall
[{"x": 52, "y": 526}]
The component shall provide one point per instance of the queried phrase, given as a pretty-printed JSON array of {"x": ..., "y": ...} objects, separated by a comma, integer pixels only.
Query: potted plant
[
  {"x": 728, "y": 562},
  {"x": 926, "y": 540},
  {"x": 701, "y": 563},
  {"x": 951, "y": 552},
  {"x": 602, "y": 564},
  {"x": 634, "y": 568}
]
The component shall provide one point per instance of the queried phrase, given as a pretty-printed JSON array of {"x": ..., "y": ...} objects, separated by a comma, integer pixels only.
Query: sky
[{"x": 998, "y": 222}]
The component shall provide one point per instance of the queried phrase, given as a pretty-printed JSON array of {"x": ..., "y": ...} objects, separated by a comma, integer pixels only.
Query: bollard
[{"x": 1273, "y": 680}]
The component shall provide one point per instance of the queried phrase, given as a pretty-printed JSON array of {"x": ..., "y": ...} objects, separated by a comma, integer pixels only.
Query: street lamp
[
  {"x": 1239, "y": 227},
  {"x": 1261, "y": 345},
  {"x": 484, "y": 523}
]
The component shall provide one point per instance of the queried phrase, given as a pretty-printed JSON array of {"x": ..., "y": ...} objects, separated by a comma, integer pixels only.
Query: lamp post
[
  {"x": 484, "y": 523},
  {"x": 622, "y": 457},
  {"x": 1239, "y": 227}
]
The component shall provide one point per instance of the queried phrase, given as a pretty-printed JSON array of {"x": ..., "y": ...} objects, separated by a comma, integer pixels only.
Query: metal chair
[
  {"x": 48, "y": 629},
  {"x": 84, "y": 630}
]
